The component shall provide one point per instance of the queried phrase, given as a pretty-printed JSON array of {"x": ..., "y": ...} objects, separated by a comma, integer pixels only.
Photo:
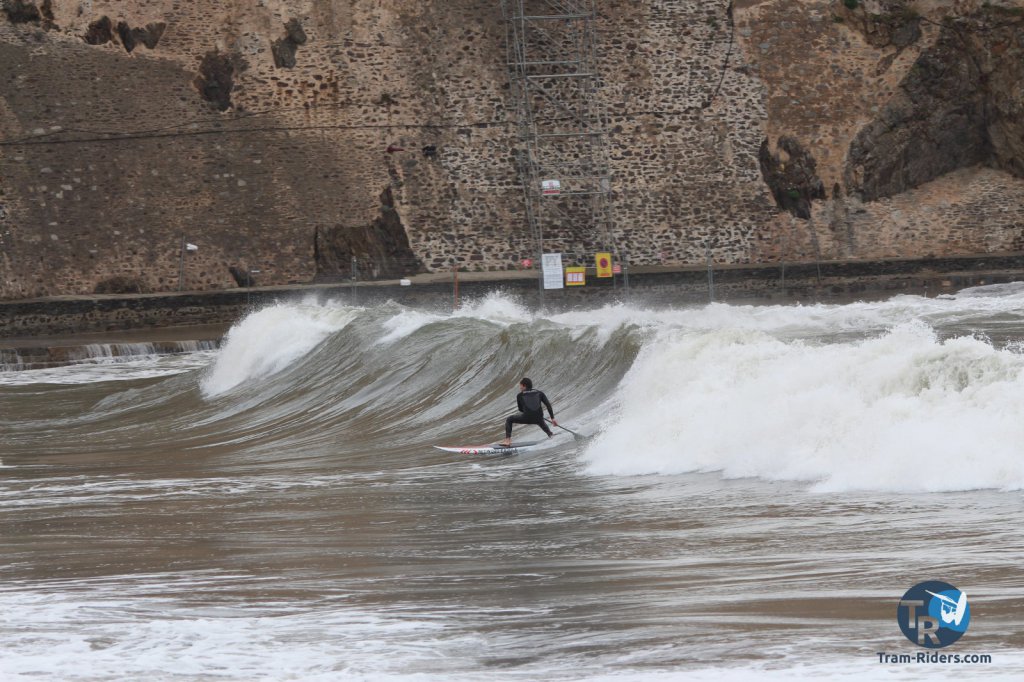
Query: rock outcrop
[
  {"x": 284, "y": 49},
  {"x": 29, "y": 12},
  {"x": 958, "y": 106},
  {"x": 791, "y": 173},
  {"x": 378, "y": 250}
]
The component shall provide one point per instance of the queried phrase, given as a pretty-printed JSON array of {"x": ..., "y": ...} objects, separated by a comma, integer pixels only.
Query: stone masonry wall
[{"x": 250, "y": 127}]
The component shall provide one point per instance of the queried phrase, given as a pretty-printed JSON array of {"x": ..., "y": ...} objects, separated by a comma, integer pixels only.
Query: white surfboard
[{"x": 492, "y": 449}]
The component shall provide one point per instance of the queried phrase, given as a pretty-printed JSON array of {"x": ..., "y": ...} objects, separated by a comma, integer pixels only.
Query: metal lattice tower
[{"x": 552, "y": 59}]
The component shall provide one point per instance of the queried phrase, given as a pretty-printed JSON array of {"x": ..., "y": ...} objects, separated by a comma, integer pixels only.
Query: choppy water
[{"x": 764, "y": 484}]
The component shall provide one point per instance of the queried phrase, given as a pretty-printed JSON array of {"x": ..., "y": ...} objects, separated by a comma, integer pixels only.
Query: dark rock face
[
  {"x": 26, "y": 12},
  {"x": 1005, "y": 86},
  {"x": 284, "y": 49},
  {"x": 791, "y": 173},
  {"x": 960, "y": 105},
  {"x": 242, "y": 276},
  {"x": 132, "y": 37},
  {"x": 23, "y": 12},
  {"x": 381, "y": 248},
  {"x": 100, "y": 31},
  {"x": 216, "y": 79},
  {"x": 896, "y": 24},
  {"x": 103, "y": 31}
]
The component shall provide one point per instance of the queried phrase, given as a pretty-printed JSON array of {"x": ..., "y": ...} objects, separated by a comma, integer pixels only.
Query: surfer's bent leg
[
  {"x": 544, "y": 426},
  {"x": 517, "y": 418}
]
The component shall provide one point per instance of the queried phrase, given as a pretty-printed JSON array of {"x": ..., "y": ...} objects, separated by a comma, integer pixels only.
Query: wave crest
[{"x": 903, "y": 411}]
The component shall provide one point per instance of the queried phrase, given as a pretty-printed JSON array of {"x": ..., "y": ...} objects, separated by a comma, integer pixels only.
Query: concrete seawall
[{"x": 21, "y": 321}]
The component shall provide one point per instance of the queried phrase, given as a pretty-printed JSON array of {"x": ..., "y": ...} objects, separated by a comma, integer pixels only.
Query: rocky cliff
[{"x": 289, "y": 136}]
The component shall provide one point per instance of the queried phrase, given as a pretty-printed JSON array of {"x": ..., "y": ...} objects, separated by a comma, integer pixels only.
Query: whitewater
[{"x": 757, "y": 488}]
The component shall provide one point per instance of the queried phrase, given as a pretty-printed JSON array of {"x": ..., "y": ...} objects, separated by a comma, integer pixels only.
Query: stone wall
[
  {"x": 657, "y": 286},
  {"x": 251, "y": 128}
]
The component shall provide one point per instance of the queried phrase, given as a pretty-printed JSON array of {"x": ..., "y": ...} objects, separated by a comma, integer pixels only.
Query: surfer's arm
[{"x": 547, "y": 404}]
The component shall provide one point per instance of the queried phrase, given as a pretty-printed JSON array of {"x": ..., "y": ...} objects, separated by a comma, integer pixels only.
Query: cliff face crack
[{"x": 957, "y": 107}]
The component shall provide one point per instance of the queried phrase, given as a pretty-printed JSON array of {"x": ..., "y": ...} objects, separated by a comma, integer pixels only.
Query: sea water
[{"x": 762, "y": 486}]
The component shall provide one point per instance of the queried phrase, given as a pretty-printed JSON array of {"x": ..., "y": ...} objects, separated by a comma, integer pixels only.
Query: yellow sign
[
  {"x": 604, "y": 264},
  {"x": 575, "y": 277}
]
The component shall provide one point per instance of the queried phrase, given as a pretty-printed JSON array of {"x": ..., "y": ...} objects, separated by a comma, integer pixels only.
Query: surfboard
[{"x": 492, "y": 449}]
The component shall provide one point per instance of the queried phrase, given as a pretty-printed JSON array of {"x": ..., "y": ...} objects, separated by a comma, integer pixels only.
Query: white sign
[
  {"x": 550, "y": 187},
  {"x": 552, "y": 266},
  {"x": 191, "y": 247}
]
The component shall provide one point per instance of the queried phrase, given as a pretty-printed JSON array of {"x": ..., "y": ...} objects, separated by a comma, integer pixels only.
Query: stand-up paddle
[{"x": 580, "y": 438}]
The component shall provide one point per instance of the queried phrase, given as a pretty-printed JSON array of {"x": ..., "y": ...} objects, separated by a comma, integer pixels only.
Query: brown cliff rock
[
  {"x": 952, "y": 110},
  {"x": 892, "y": 130}
]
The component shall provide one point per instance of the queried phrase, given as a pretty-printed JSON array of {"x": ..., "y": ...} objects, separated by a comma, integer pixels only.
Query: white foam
[
  {"x": 794, "y": 320},
  {"x": 406, "y": 323},
  {"x": 193, "y": 627},
  {"x": 98, "y": 634},
  {"x": 126, "y": 369},
  {"x": 495, "y": 307},
  {"x": 980, "y": 304},
  {"x": 269, "y": 340},
  {"x": 903, "y": 411}
]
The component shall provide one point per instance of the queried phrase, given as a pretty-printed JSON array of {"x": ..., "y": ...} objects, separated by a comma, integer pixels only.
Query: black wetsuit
[{"x": 531, "y": 405}]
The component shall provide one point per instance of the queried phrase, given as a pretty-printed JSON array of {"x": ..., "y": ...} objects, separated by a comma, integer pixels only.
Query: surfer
[{"x": 531, "y": 404}]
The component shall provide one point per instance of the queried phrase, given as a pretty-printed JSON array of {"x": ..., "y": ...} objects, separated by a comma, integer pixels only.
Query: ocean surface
[{"x": 757, "y": 488}]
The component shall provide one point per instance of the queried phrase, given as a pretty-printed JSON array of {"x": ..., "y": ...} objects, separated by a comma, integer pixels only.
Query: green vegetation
[{"x": 850, "y": 4}]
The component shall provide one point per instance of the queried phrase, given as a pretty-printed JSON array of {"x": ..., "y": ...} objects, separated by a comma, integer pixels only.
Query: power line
[
  {"x": 35, "y": 141},
  {"x": 159, "y": 133}
]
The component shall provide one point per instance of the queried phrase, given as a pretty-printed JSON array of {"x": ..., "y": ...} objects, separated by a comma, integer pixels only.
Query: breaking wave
[{"x": 912, "y": 394}]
